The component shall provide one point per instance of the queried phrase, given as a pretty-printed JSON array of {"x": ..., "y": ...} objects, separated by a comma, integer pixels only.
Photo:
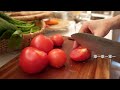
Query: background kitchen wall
[
  {"x": 113, "y": 34},
  {"x": 116, "y": 33},
  {"x": 95, "y": 15}
]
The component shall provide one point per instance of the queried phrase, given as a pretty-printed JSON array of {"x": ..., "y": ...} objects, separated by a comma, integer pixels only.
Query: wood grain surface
[{"x": 91, "y": 69}]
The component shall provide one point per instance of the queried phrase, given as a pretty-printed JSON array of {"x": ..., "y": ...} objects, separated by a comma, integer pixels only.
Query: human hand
[{"x": 96, "y": 27}]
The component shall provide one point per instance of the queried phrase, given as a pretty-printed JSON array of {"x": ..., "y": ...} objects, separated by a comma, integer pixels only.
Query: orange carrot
[{"x": 52, "y": 21}]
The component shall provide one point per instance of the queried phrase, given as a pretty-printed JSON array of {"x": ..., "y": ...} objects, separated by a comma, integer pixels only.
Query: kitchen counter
[{"x": 5, "y": 58}]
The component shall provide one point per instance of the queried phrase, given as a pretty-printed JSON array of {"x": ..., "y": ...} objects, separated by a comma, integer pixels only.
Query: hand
[{"x": 96, "y": 27}]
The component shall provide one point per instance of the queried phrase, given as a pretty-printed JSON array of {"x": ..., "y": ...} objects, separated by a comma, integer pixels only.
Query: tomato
[
  {"x": 57, "y": 58},
  {"x": 80, "y": 54},
  {"x": 32, "y": 60},
  {"x": 42, "y": 43},
  {"x": 57, "y": 40}
]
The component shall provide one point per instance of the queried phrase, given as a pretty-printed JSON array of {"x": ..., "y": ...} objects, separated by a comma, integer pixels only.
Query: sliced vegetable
[{"x": 80, "y": 54}]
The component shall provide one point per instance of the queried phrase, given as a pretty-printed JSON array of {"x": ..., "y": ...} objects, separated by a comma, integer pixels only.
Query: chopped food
[{"x": 80, "y": 54}]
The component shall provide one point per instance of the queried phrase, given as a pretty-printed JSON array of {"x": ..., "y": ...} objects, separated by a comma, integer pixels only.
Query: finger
[
  {"x": 98, "y": 34},
  {"x": 83, "y": 28},
  {"x": 75, "y": 45}
]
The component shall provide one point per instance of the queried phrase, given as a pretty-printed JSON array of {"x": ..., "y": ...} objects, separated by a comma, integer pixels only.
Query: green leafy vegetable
[
  {"x": 34, "y": 29},
  {"x": 18, "y": 23},
  {"x": 4, "y": 25},
  {"x": 15, "y": 40},
  {"x": 13, "y": 29},
  {"x": 7, "y": 34},
  {"x": 11, "y": 20}
]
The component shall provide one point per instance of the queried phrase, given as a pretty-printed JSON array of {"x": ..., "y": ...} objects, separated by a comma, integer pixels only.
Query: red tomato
[
  {"x": 80, "y": 54},
  {"x": 42, "y": 43},
  {"x": 57, "y": 58},
  {"x": 57, "y": 40},
  {"x": 32, "y": 60}
]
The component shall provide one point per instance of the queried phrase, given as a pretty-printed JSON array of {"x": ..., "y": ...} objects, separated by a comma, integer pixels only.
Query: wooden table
[{"x": 91, "y": 69}]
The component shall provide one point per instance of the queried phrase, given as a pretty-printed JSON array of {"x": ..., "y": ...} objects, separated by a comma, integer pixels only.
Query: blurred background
[
  {"x": 81, "y": 16},
  {"x": 115, "y": 34},
  {"x": 71, "y": 22}
]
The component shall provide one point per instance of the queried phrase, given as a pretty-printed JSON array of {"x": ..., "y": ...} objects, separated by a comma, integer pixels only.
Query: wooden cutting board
[{"x": 92, "y": 69}]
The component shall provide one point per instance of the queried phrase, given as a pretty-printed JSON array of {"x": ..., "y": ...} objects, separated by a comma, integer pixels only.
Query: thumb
[
  {"x": 98, "y": 34},
  {"x": 75, "y": 45},
  {"x": 84, "y": 28}
]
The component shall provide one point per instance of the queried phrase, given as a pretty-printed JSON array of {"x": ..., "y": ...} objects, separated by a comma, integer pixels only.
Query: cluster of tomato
[{"x": 41, "y": 53}]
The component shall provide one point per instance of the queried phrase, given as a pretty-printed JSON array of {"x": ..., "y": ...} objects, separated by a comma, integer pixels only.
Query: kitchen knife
[{"x": 99, "y": 45}]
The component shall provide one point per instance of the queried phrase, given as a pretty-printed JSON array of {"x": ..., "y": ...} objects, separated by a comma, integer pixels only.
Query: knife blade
[{"x": 99, "y": 45}]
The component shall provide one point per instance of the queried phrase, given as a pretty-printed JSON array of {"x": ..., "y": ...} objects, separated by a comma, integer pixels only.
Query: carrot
[{"x": 52, "y": 21}]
